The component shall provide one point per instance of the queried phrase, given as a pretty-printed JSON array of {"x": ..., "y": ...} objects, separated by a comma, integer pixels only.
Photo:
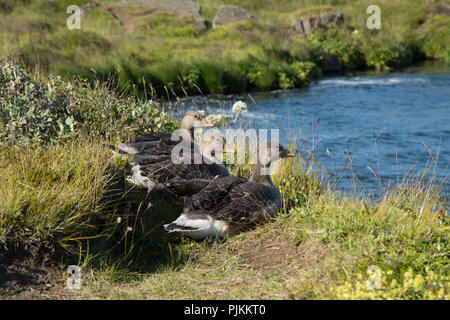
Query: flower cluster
[
  {"x": 219, "y": 119},
  {"x": 411, "y": 285},
  {"x": 239, "y": 107}
]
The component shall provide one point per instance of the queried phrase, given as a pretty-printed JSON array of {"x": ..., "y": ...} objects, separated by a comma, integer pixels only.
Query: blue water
[{"x": 389, "y": 123}]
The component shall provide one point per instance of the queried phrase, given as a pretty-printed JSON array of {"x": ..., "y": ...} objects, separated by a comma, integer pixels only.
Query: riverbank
[
  {"x": 64, "y": 201},
  {"x": 162, "y": 52}
]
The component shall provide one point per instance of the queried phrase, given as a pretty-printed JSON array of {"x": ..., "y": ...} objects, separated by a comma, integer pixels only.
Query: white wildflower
[
  {"x": 219, "y": 119},
  {"x": 239, "y": 107}
]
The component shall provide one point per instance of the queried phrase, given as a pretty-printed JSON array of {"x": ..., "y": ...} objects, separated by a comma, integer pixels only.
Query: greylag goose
[
  {"x": 191, "y": 120},
  {"x": 161, "y": 173},
  {"x": 154, "y": 166},
  {"x": 230, "y": 203}
]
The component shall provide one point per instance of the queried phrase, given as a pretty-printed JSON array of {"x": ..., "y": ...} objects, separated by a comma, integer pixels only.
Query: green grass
[
  {"x": 319, "y": 248},
  {"x": 165, "y": 50},
  {"x": 54, "y": 197}
]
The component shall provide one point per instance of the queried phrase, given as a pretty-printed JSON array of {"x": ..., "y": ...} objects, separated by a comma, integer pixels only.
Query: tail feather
[
  {"x": 197, "y": 225},
  {"x": 172, "y": 227},
  {"x": 187, "y": 187}
]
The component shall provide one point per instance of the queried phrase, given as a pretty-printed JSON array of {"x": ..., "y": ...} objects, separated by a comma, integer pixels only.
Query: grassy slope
[
  {"x": 165, "y": 50},
  {"x": 320, "y": 249}
]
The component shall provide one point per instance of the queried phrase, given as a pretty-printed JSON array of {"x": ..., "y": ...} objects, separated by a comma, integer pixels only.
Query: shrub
[
  {"x": 190, "y": 76},
  {"x": 410, "y": 285},
  {"x": 304, "y": 72},
  {"x": 261, "y": 76},
  {"x": 33, "y": 112},
  {"x": 348, "y": 53},
  {"x": 394, "y": 56},
  {"x": 284, "y": 81}
]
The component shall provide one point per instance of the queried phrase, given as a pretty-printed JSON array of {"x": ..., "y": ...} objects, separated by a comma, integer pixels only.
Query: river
[{"x": 372, "y": 129}]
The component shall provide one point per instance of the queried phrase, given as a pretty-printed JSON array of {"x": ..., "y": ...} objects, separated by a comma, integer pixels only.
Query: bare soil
[
  {"x": 29, "y": 275},
  {"x": 267, "y": 252}
]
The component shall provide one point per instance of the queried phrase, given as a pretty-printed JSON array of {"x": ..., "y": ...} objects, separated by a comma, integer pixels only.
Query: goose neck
[{"x": 261, "y": 174}]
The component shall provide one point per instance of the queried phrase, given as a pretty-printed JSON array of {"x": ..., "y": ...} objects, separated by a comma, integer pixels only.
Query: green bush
[
  {"x": 190, "y": 74},
  {"x": 284, "y": 81},
  {"x": 348, "y": 52},
  {"x": 262, "y": 77},
  {"x": 304, "y": 72},
  {"x": 391, "y": 56},
  {"x": 33, "y": 112},
  {"x": 8, "y": 5}
]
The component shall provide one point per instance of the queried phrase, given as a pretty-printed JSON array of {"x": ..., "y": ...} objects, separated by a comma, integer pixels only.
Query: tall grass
[
  {"x": 60, "y": 184},
  {"x": 55, "y": 196}
]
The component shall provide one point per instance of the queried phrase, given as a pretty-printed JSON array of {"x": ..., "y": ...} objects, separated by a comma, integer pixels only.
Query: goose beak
[
  {"x": 228, "y": 149},
  {"x": 291, "y": 154},
  {"x": 207, "y": 124},
  {"x": 287, "y": 154}
]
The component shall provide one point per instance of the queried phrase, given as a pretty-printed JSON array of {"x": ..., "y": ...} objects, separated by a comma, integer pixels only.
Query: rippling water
[{"x": 389, "y": 123}]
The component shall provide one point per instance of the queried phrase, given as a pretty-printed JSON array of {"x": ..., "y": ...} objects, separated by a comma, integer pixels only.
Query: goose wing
[
  {"x": 232, "y": 199},
  {"x": 146, "y": 142},
  {"x": 156, "y": 163},
  {"x": 152, "y": 136},
  {"x": 180, "y": 179}
]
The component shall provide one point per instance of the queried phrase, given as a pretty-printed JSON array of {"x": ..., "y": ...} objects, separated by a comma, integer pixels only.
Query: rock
[
  {"x": 88, "y": 7},
  {"x": 311, "y": 24},
  {"x": 184, "y": 7},
  {"x": 230, "y": 14},
  {"x": 333, "y": 18},
  {"x": 332, "y": 64},
  {"x": 444, "y": 9},
  {"x": 306, "y": 25}
]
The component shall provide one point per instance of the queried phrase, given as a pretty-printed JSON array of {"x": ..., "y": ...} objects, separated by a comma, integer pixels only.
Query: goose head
[
  {"x": 270, "y": 151},
  {"x": 215, "y": 146},
  {"x": 191, "y": 120},
  {"x": 194, "y": 119}
]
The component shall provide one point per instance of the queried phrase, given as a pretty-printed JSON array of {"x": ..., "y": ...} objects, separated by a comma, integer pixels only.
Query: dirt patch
[
  {"x": 128, "y": 15},
  {"x": 121, "y": 15},
  {"x": 30, "y": 275},
  {"x": 280, "y": 252}
]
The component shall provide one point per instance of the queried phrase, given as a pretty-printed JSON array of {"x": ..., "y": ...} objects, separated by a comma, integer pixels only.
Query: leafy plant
[
  {"x": 30, "y": 111},
  {"x": 34, "y": 112}
]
